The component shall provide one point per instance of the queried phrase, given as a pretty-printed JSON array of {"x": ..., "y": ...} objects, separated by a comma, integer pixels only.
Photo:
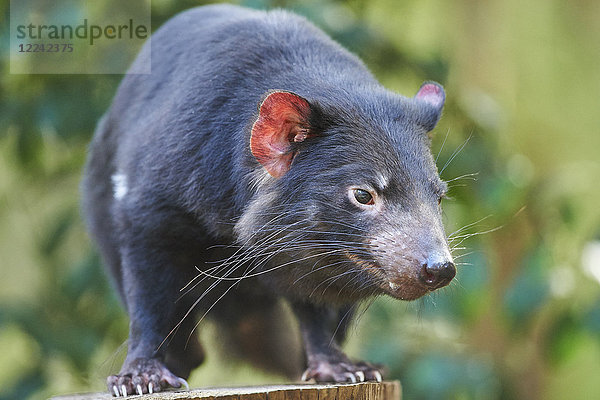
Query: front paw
[
  {"x": 142, "y": 376},
  {"x": 323, "y": 371}
]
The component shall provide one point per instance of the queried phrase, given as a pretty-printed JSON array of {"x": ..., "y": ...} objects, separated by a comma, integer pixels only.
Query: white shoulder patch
[{"x": 119, "y": 182}]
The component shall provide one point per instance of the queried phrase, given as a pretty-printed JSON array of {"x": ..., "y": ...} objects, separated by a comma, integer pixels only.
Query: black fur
[{"x": 180, "y": 138}]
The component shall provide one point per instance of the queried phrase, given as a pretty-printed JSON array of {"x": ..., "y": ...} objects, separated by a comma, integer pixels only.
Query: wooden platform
[{"x": 359, "y": 391}]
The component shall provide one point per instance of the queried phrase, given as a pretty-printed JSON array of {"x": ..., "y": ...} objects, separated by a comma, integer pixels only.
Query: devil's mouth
[
  {"x": 371, "y": 268},
  {"x": 406, "y": 289},
  {"x": 359, "y": 261}
]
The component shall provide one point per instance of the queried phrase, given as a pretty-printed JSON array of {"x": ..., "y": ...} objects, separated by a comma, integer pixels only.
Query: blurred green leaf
[
  {"x": 530, "y": 289},
  {"x": 57, "y": 232},
  {"x": 564, "y": 339},
  {"x": 436, "y": 376},
  {"x": 592, "y": 319}
]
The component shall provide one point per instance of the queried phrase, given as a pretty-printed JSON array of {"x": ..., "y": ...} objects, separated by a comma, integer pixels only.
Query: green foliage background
[{"x": 523, "y": 318}]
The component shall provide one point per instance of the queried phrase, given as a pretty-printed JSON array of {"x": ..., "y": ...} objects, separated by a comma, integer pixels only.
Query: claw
[
  {"x": 184, "y": 383},
  {"x": 304, "y": 376},
  {"x": 378, "y": 376},
  {"x": 139, "y": 390},
  {"x": 350, "y": 376},
  {"x": 124, "y": 390},
  {"x": 117, "y": 394},
  {"x": 150, "y": 387},
  {"x": 360, "y": 375}
]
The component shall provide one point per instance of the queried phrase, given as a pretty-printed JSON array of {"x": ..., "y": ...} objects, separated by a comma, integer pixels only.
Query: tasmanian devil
[{"x": 259, "y": 163}]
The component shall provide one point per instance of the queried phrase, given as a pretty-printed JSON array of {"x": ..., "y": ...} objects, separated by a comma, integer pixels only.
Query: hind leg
[
  {"x": 257, "y": 328},
  {"x": 98, "y": 201}
]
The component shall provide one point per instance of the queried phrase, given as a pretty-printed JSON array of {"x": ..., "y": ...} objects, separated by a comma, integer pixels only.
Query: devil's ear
[
  {"x": 430, "y": 99},
  {"x": 283, "y": 118}
]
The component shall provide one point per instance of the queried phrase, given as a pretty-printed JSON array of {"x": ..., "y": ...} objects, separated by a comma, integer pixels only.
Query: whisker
[
  {"x": 468, "y": 226},
  {"x": 470, "y": 235},
  {"x": 456, "y": 152},
  {"x": 471, "y": 176},
  {"x": 464, "y": 255},
  {"x": 442, "y": 147},
  {"x": 253, "y": 275}
]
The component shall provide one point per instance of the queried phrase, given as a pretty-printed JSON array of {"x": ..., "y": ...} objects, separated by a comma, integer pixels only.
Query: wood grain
[{"x": 358, "y": 391}]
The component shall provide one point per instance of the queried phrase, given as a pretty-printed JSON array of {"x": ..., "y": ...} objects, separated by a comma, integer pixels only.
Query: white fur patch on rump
[{"x": 119, "y": 182}]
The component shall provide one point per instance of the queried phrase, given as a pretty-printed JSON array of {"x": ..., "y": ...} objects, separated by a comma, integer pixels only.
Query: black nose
[{"x": 437, "y": 275}]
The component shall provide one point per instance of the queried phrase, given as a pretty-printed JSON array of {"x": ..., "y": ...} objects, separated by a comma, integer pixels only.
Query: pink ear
[
  {"x": 283, "y": 118},
  {"x": 431, "y": 93}
]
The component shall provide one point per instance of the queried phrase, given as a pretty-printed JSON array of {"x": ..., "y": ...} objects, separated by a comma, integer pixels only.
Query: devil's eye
[{"x": 363, "y": 197}]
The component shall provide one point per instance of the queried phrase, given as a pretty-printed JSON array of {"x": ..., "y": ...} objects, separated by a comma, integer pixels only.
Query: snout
[
  {"x": 428, "y": 277},
  {"x": 412, "y": 265},
  {"x": 437, "y": 274}
]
